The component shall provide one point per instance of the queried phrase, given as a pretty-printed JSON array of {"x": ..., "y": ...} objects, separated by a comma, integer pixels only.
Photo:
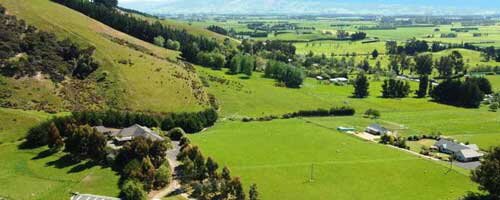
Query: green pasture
[{"x": 282, "y": 157}]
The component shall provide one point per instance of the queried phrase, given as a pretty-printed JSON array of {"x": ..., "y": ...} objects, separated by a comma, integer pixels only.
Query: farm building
[
  {"x": 127, "y": 134},
  {"x": 377, "y": 129},
  {"x": 339, "y": 80},
  {"x": 461, "y": 152}
]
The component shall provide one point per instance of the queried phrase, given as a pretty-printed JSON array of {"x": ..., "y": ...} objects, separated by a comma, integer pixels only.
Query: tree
[
  {"x": 445, "y": 66},
  {"x": 253, "y": 194},
  {"x": 361, "y": 86},
  {"x": 458, "y": 61},
  {"x": 174, "y": 45},
  {"x": 391, "y": 47},
  {"x": 159, "y": 41},
  {"x": 226, "y": 174},
  {"x": 372, "y": 113},
  {"x": 423, "y": 86},
  {"x": 190, "y": 51},
  {"x": 133, "y": 190},
  {"x": 211, "y": 166},
  {"x": 162, "y": 176},
  {"x": 423, "y": 64},
  {"x": 375, "y": 54},
  {"x": 394, "y": 64},
  {"x": 55, "y": 140},
  {"x": 487, "y": 175}
]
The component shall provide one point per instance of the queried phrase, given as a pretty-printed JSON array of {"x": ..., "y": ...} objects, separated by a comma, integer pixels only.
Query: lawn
[
  {"x": 278, "y": 157},
  {"x": 35, "y": 174},
  {"x": 145, "y": 83}
]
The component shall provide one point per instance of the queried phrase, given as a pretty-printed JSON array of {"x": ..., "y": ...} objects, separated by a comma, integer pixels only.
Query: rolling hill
[{"x": 134, "y": 75}]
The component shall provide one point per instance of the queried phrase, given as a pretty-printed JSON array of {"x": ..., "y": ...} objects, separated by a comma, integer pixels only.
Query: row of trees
[
  {"x": 204, "y": 178},
  {"x": 140, "y": 28},
  {"x": 27, "y": 51},
  {"x": 289, "y": 75}
]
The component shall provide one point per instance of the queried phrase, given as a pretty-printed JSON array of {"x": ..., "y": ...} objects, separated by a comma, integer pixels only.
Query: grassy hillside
[
  {"x": 278, "y": 155},
  {"x": 138, "y": 75},
  {"x": 34, "y": 174},
  {"x": 257, "y": 96}
]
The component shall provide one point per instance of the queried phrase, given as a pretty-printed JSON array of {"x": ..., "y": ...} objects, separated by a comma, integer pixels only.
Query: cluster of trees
[
  {"x": 218, "y": 29},
  {"x": 206, "y": 181},
  {"x": 27, "y": 51},
  {"x": 289, "y": 75},
  {"x": 411, "y": 47},
  {"x": 213, "y": 60},
  {"x": 358, "y": 36},
  {"x": 394, "y": 88},
  {"x": 396, "y": 141},
  {"x": 279, "y": 50},
  {"x": 468, "y": 93},
  {"x": 142, "y": 164},
  {"x": 189, "y": 122},
  {"x": 487, "y": 175},
  {"x": 242, "y": 63},
  {"x": 82, "y": 142},
  {"x": 140, "y": 28}
]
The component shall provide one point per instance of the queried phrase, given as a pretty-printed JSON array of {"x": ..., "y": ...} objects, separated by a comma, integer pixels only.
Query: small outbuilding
[
  {"x": 77, "y": 196},
  {"x": 345, "y": 129},
  {"x": 377, "y": 129},
  {"x": 468, "y": 155}
]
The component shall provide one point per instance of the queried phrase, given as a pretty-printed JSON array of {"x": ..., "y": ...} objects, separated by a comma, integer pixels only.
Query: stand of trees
[
  {"x": 205, "y": 180},
  {"x": 242, "y": 63},
  {"x": 459, "y": 93},
  {"x": 25, "y": 51},
  {"x": 358, "y": 36},
  {"x": 289, "y": 75},
  {"x": 141, "y": 29},
  {"x": 393, "y": 88},
  {"x": 218, "y": 29},
  {"x": 487, "y": 175}
]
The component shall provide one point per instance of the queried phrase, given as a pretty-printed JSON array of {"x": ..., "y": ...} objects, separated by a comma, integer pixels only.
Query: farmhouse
[
  {"x": 127, "y": 134},
  {"x": 463, "y": 153},
  {"x": 376, "y": 129}
]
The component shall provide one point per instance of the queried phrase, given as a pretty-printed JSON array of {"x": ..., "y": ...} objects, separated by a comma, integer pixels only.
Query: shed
[
  {"x": 345, "y": 129},
  {"x": 376, "y": 129},
  {"x": 78, "y": 196},
  {"x": 468, "y": 155}
]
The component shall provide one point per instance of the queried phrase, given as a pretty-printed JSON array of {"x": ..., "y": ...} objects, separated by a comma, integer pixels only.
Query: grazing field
[
  {"x": 35, "y": 174},
  {"x": 278, "y": 156},
  {"x": 257, "y": 96},
  {"x": 134, "y": 79}
]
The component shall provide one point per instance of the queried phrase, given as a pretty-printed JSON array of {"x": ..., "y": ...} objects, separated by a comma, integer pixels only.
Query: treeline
[
  {"x": 139, "y": 28},
  {"x": 203, "y": 176},
  {"x": 468, "y": 93},
  {"x": 290, "y": 75},
  {"x": 189, "y": 122},
  {"x": 26, "y": 51},
  {"x": 334, "y": 111},
  {"x": 218, "y": 29}
]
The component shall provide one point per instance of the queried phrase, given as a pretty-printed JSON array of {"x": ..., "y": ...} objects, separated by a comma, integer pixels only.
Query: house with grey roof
[
  {"x": 461, "y": 152},
  {"x": 377, "y": 129},
  {"x": 106, "y": 131},
  {"x": 134, "y": 131}
]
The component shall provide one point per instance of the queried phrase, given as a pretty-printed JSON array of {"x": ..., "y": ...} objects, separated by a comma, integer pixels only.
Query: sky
[{"x": 378, "y": 7}]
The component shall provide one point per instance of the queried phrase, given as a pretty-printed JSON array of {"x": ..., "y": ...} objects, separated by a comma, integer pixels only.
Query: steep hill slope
[{"x": 133, "y": 75}]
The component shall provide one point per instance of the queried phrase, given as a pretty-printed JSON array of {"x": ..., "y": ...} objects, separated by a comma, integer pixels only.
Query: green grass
[
  {"x": 259, "y": 96},
  {"x": 150, "y": 83},
  {"x": 495, "y": 82},
  {"x": 277, "y": 156},
  {"x": 33, "y": 174}
]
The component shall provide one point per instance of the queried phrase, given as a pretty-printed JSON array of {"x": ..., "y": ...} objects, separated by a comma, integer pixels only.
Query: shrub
[
  {"x": 162, "y": 176},
  {"x": 372, "y": 113},
  {"x": 176, "y": 134},
  {"x": 133, "y": 190}
]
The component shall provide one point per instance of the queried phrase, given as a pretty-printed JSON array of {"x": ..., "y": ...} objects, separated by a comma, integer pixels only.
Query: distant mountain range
[{"x": 378, "y": 7}]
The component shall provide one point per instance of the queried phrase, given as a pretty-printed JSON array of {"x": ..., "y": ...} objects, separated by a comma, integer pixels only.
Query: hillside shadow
[{"x": 63, "y": 162}]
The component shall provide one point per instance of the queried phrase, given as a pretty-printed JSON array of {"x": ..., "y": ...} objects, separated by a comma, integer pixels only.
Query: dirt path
[{"x": 175, "y": 184}]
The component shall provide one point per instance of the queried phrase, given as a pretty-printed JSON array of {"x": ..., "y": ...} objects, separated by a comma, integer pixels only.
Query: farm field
[
  {"x": 287, "y": 149},
  {"x": 260, "y": 97},
  {"x": 34, "y": 174},
  {"x": 144, "y": 83}
]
